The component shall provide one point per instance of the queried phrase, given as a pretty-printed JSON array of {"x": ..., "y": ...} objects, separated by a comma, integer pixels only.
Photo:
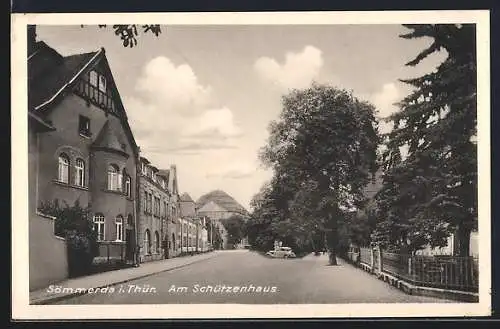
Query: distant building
[
  {"x": 154, "y": 210},
  {"x": 218, "y": 205},
  {"x": 172, "y": 242},
  {"x": 194, "y": 233}
]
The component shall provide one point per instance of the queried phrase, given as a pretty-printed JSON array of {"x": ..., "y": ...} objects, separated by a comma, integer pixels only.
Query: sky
[{"x": 202, "y": 97}]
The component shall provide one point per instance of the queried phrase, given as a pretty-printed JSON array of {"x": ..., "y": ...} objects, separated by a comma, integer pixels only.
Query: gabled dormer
[
  {"x": 97, "y": 87},
  {"x": 110, "y": 140}
]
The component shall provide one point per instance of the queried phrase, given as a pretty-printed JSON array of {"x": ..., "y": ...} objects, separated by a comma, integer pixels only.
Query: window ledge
[
  {"x": 68, "y": 185},
  {"x": 114, "y": 192},
  {"x": 89, "y": 136}
]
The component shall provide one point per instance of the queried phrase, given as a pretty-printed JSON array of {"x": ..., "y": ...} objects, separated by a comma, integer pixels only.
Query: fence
[{"x": 445, "y": 272}]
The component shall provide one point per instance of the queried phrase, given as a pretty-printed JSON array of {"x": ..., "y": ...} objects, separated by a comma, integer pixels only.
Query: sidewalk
[{"x": 78, "y": 286}]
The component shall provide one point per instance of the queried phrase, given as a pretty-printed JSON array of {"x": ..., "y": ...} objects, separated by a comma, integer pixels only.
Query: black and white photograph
[{"x": 251, "y": 165}]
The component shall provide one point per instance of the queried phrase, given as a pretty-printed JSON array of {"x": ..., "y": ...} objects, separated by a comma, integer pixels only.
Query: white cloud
[
  {"x": 173, "y": 86},
  {"x": 173, "y": 113},
  {"x": 298, "y": 70},
  {"x": 234, "y": 170},
  {"x": 214, "y": 122},
  {"x": 384, "y": 103}
]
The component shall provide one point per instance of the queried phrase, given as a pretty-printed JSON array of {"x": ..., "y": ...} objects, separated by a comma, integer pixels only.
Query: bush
[{"x": 72, "y": 223}]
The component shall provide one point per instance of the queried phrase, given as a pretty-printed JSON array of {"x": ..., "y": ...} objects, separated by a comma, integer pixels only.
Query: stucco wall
[
  {"x": 47, "y": 253},
  {"x": 64, "y": 116}
]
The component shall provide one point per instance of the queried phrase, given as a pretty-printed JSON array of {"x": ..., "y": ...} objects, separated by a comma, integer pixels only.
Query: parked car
[{"x": 281, "y": 252}]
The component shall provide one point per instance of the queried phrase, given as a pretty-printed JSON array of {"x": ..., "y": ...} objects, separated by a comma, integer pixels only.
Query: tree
[
  {"x": 324, "y": 141},
  {"x": 433, "y": 191},
  {"x": 235, "y": 227},
  {"x": 213, "y": 233},
  {"x": 129, "y": 33}
]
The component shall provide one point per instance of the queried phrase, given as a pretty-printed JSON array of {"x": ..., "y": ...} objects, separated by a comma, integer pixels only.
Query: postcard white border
[{"x": 21, "y": 310}]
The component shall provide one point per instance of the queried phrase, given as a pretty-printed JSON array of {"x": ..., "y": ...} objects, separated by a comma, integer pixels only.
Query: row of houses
[{"x": 82, "y": 150}]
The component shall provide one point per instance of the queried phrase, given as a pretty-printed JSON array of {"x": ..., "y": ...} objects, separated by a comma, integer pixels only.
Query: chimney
[{"x": 31, "y": 39}]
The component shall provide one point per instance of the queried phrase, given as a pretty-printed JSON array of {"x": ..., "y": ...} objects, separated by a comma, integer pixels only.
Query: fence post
[
  {"x": 380, "y": 261},
  {"x": 409, "y": 266},
  {"x": 372, "y": 260}
]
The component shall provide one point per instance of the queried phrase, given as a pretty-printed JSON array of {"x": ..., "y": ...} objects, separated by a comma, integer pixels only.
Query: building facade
[
  {"x": 154, "y": 212},
  {"x": 193, "y": 227},
  {"x": 218, "y": 205},
  {"x": 89, "y": 154}
]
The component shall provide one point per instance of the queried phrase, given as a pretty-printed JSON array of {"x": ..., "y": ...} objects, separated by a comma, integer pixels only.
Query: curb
[{"x": 48, "y": 300}]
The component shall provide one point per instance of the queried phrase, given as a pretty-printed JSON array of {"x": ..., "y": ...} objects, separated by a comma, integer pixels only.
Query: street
[{"x": 246, "y": 277}]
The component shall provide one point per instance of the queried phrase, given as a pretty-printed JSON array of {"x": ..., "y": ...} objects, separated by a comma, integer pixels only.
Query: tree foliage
[
  {"x": 322, "y": 150},
  {"x": 433, "y": 191},
  {"x": 236, "y": 229},
  {"x": 128, "y": 34}
]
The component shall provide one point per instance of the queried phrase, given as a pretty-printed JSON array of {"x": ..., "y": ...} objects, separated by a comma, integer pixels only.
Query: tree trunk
[
  {"x": 463, "y": 241},
  {"x": 332, "y": 239},
  {"x": 332, "y": 258}
]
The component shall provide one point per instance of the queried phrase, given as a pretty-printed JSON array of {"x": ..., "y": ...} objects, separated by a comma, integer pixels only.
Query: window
[
  {"x": 128, "y": 185},
  {"x": 157, "y": 242},
  {"x": 93, "y": 78},
  {"x": 147, "y": 242},
  {"x": 157, "y": 206},
  {"x": 119, "y": 228},
  {"x": 143, "y": 168},
  {"x": 80, "y": 172},
  {"x": 84, "y": 126},
  {"x": 99, "y": 226},
  {"x": 63, "y": 172},
  {"x": 150, "y": 203},
  {"x": 102, "y": 83},
  {"x": 130, "y": 221},
  {"x": 165, "y": 209},
  {"x": 153, "y": 176},
  {"x": 114, "y": 178}
]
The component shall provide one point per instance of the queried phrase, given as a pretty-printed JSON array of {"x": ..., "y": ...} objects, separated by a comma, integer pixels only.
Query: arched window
[
  {"x": 147, "y": 242},
  {"x": 63, "y": 171},
  {"x": 119, "y": 227},
  {"x": 128, "y": 186},
  {"x": 130, "y": 220},
  {"x": 80, "y": 172},
  {"x": 99, "y": 221},
  {"x": 157, "y": 242},
  {"x": 114, "y": 178}
]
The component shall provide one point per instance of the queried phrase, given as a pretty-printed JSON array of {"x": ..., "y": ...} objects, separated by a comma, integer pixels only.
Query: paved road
[{"x": 307, "y": 280}]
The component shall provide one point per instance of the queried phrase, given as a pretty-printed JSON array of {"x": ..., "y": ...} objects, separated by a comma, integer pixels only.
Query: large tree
[
  {"x": 324, "y": 142},
  {"x": 236, "y": 229},
  {"x": 433, "y": 191}
]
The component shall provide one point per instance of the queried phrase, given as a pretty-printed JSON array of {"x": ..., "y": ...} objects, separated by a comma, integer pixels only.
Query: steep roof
[
  {"x": 50, "y": 75},
  {"x": 165, "y": 173},
  {"x": 53, "y": 72},
  {"x": 109, "y": 138},
  {"x": 186, "y": 197},
  {"x": 222, "y": 199}
]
